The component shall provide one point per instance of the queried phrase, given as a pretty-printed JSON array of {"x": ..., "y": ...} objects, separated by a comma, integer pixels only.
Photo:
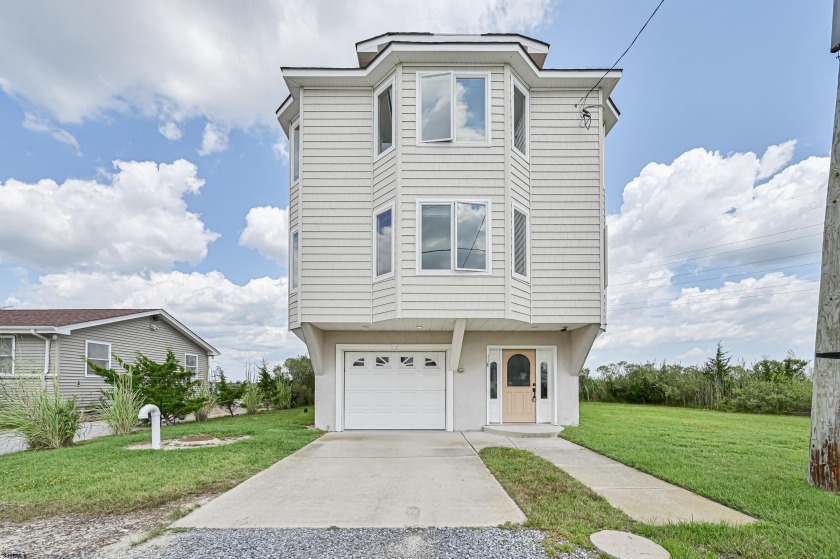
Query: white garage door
[{"x": 394, "y": 390}]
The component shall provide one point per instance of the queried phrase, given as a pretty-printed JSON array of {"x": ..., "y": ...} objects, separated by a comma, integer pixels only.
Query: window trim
[
  {"x": 294, "y": 152},
  {"x": 12, "y": 356},
  {"x": 294, "y": 262},
  {"x": 527, "y": 277},
  {"x": 196, "y": 362},
  {"x": 87, "y": 343},
  {"x": 453, "y": 270},
  {"x": 392, "y": 84},
  {"x": 517, "y": 84},
  {"x": 376, "y": 213},
  {"x": 453, "y": 141}
]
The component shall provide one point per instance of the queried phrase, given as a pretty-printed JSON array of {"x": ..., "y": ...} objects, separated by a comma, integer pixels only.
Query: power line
[
  {"x": 725, "y": 267},
  {"x": 722, "y": 245},
  {"x": 702, "y": 297},
  {"x": 584, "y": 114},
  {"x": 715, "y": 254},
  {"x": 712, "y": 279},
  {"x": 713, "y": 300}
]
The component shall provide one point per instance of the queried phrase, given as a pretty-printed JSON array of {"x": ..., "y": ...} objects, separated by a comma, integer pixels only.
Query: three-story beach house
[{"x": 447, "y": 231}]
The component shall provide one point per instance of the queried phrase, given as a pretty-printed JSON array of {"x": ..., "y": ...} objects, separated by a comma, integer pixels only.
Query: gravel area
[{"x": 359, "y": 543}]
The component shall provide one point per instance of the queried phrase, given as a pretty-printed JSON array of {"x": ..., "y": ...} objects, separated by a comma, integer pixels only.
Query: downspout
[{"x": 46, "y": 351}]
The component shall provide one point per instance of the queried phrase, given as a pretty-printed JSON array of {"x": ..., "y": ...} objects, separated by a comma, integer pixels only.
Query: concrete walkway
[
  {"x": 367, "y": 479},
  {"x": 641, "y": 496}
]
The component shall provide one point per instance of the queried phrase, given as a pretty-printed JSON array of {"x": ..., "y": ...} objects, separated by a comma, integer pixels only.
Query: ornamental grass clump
[
  {"x": 211, "y": 398},
  {"x": 36, "y": 411},
  {"x": 281, "y": 394},
  {"x": 120, "y": 405},
  {"x": 252, "y": 397}
]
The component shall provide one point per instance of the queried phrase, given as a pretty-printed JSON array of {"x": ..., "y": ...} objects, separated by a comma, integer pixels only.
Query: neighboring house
[
  {"x": 447, "y": 232},
  {"x": 58, "y": 342}
]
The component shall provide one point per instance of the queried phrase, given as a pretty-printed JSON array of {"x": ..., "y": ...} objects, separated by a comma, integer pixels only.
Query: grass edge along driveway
[
  {"x": 753, "y": 463},
  {"x": 101, "y": 477}
]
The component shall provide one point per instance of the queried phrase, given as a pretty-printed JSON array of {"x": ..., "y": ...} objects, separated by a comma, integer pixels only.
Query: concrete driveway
[{"x": 375, "y": 479}]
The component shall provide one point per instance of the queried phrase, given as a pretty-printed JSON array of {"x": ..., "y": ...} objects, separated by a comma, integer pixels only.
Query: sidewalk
[{"x": 641, "y": 496}]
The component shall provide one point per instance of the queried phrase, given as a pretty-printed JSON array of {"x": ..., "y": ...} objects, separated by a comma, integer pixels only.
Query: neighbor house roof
[{"x": 64, "y": 321}]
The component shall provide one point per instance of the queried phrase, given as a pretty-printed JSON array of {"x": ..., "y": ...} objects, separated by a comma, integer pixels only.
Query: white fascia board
[
  {"x": 36, "y": 329},
  {"x": 611, "y": 115}
]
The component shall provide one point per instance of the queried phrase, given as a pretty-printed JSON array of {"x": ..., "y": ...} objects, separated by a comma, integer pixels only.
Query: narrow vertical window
[
  {"x": 520, "y": 120},
  {"x": 494, "y": 381},
  {"x": 436, "y": 241},
  {"x": 543, "y": 381},
  {"x": 472, "y": 236},
  {"x": 7, "y": 355},
  {"x": 520, "y": 244},
  {"x": 384, "y": 242},
  {"x": 385, "y": 120},
  {"x": 436, "y": 107},
  {"x": 470, "y": 110},
  {"x": 294, "y": 263},
  {"x": 296, "y": 153}
]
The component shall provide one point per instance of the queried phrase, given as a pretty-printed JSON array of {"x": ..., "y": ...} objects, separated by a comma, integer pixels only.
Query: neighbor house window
[
  {"x": 520, "y": 243},
  {"x": 454, "y": 236},
  {"x": 453, "y": 108},
  {"x": 7, "y": 355},
  {"x": 99, "y": 354},
  {"x": 191, "y": 363},
  {"x": 385, "y": 119},
  {"x": 384, "y": 222},
  {"x": 295, "y": 152},
  {"x": 294, "y": 261},
  {"x": 520, "y": 119}
]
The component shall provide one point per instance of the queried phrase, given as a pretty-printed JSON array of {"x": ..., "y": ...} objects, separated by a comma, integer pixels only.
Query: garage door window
[
  {"x": 382, "y": 361},
  {"x": 431, "y": 362},
  {"x": 360, "y": 362},
  {"x": 407, "y": 361}
]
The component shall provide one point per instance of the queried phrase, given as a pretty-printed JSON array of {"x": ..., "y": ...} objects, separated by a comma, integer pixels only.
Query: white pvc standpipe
[{"x": 155, "y": 412}]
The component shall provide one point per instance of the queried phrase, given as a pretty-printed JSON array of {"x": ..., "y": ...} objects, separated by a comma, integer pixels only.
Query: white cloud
[
  {"x": 281, "y": 149},
  {"x": 656, "y": 299},
  {"x": 214, "y": 139},
  {"x": 245, "y": 322},
  {"x": 214, "y": 60},
  {"x": 694, "y": 355},
  {"x": 35, "y": 124},
  {"x": 139, "y": 221},
  {"x": 170, "y": 131},
  {"x": 266, "y": 230},
  {"x": 774, "y": 158}
]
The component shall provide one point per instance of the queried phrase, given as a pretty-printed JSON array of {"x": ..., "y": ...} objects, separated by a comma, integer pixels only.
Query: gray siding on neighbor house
[
  {"x": 567, "y": 208},
  {"x": 29, "y": 355},
  {"x": 126, "y": 338},
  {"x": 335, "y": 205}
]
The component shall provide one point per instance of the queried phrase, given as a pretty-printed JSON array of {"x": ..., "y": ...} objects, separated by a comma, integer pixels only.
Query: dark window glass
[
  {"x": 431, "y": 362},
  {"x": 518, "y": 371},
  {"x": 494, "y": 381},
  {"x": 407, "y": 361},
  {"x": 360, "y": 362},
  {"x": 520, "y": 243},
  {"x": 384, "y": 105},
  {"x": 543, "y": 381}
]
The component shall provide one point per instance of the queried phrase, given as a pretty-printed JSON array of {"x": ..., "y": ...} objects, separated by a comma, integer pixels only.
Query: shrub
[
  {"x": 252, "y": 397},
  {"x": 120, "y": 405},
  {"x": 281, "y": 395},
  {"x": 39, "y": 414},
  {"x": 302, "y": 378},
  {"x": 227, "y": 395}
]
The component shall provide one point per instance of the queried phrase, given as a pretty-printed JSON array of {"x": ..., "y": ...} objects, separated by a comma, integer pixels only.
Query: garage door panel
[{"x": 395, "y": 390}]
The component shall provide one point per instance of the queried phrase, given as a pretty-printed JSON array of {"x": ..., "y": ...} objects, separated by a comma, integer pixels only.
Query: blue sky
[{"x": 707, "y": 89}]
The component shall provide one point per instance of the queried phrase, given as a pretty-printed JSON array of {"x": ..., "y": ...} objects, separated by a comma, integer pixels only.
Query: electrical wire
[{"x": 584, "y": 114}]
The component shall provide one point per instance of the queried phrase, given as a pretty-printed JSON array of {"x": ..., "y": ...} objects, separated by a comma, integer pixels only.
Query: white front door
[{"x": 394, "y": 390}]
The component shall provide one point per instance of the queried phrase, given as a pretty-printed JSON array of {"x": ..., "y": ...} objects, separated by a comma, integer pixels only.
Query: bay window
[{"x": 453, "y": 108}]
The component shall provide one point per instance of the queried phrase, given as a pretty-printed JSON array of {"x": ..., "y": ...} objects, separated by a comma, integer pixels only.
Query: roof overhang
[
  {"x": 397, "y": 52},
  {"x": 68, "y": 329}
]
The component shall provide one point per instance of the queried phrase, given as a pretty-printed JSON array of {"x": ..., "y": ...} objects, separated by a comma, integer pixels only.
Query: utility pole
[{"x": 824, "y": 462}]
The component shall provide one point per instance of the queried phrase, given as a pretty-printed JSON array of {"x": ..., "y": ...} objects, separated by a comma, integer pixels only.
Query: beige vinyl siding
[
  {"x": 294, "y": 220},
  {"x": 566, "y": 207},
  {"x": 520, "y": 190},
  {"x": 447, "y": 172},
  {"x": 384, "y": 295},
  {"x": 126, "y": 338},
  {"x": 335, "y": 216}
]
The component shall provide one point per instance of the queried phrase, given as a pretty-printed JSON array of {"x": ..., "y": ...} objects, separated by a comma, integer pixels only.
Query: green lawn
[
  {"x": 753, "y": 463},
  {"x": 101, "y": 476}
]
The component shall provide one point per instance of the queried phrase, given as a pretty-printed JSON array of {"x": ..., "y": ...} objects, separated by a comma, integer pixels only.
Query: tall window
[
  {"x": 191, "y": 363},
  {"x": 98, "y": 353},
  {"x": 385, "y": 119},
  {"x": 384, "y": 243},
  {"x": 453, "y": 108},
  {"x": 520, "y": 244},
  {"x": 454, "y": 236},
  {"x": 294, "y": 261},
  {"x": 520, "y": 119},
  {"x": 296, "y": 152},
  {"x": 494, "y": 381},
  {"x": 7, "y": 355},
  {"x": 543, "y": 381}
]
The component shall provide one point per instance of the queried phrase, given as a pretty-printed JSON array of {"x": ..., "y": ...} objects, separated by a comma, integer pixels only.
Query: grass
[
  {"x": 101, "y": 476},
  {"x": 753, "y": 463}
]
